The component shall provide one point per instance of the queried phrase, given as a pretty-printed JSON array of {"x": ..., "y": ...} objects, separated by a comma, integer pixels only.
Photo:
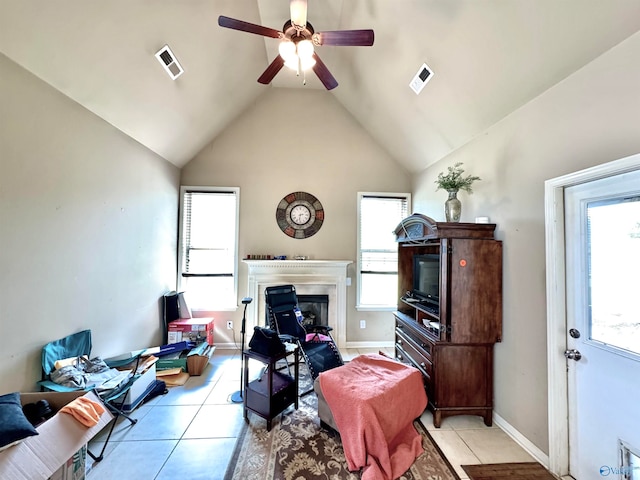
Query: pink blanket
[{"x": 374, "y": 401}]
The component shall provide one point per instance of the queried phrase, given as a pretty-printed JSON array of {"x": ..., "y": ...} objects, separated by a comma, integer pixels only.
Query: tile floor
[{"x": 191, "y": 432}]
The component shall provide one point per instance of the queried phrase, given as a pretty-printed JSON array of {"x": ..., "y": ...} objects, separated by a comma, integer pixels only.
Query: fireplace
[
  {"x": 315, "y": 309},
  {"x": 310, "y": 277}
]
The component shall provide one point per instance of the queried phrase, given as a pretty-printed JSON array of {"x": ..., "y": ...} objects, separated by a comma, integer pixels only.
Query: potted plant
[{"x": 453, "y": 181}]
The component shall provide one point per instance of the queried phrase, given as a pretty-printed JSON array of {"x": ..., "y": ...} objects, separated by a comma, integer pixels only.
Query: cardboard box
[
  {"x": 140, "y": 389},
  {"x": 198, "y": 358},
  {"x": 171, "y": 361},
  {"x": 74, "y": 468},
  {"x": 191, "y": 330},
  {"x": 58, "y": 440}
]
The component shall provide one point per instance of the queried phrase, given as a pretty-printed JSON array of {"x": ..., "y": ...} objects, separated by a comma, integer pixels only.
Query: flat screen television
[{"x": 426, "y": 278}]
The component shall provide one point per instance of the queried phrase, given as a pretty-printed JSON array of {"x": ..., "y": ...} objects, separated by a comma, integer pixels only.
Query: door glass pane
[{"x": 614, "y": 269}]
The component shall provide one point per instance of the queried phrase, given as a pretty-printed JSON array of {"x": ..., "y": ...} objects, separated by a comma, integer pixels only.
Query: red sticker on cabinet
[{"x": 463, "y": 263}]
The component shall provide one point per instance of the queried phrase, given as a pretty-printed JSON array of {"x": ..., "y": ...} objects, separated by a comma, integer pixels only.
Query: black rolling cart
[{"x": 273, "y": 391}]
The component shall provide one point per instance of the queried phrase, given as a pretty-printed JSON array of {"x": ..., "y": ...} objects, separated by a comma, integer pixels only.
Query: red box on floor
[{"x": 191, "y": 330}]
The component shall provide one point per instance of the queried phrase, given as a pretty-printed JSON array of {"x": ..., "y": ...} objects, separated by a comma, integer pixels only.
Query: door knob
[{"x": 573, "y": 354}]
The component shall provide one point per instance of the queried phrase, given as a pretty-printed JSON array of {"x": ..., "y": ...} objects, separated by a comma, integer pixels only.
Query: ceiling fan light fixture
[
  {"x": 297, "y": 41},
  {"x": 305, "y": 49},
  {"x": 287, "y": 49},
  {"x": 299, "y": 14},
  {"x": 297, "y": 55}
]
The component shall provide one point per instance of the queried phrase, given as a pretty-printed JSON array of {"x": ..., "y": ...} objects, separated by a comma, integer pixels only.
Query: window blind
[
  {"x": 379, "y": 215},
  {"x": 208, "y": 233}
]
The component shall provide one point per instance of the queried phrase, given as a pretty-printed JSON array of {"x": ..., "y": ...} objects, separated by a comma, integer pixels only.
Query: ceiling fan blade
[
  {"x": 349, "y": 38},
  {"x": 298, "y": 9},
  {"x": 324, "y": 74},
  {"x": 248, "y": 27},
  {"x": 271, "y": 71}
]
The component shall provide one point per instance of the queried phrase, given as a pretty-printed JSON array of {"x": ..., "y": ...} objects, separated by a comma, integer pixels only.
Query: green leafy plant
[{"x": 453, "y": 179}]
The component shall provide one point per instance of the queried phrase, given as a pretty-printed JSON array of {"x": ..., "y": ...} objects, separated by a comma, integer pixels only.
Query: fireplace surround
[{"x": 310, "y": 277}]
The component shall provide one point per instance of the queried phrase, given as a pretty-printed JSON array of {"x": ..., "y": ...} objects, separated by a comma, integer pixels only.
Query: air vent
[
  {"x": 169, "y": 61},
  {"x": 422, "y": 77}
]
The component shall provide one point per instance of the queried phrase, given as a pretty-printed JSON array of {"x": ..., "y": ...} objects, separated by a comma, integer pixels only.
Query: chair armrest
[{"x": 123, "y": 360}]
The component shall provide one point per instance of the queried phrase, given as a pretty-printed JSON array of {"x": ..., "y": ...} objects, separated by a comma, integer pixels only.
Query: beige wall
[
  {"x": 88, "y": 220},
  {"x": 299, "y": 140},
  {"x": 592, "y": 117}
]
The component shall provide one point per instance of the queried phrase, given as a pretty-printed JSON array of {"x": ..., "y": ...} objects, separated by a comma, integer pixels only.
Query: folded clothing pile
[{"x": 82, "y": 372}]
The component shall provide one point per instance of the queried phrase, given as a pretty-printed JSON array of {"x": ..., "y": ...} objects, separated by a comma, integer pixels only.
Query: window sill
[{"x": 376, "y": 308}]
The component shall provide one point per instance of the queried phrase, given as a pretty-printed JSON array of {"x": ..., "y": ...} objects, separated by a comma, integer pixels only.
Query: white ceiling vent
[
  {"x": 169, "y": 61},
  {"x": 422, "y": 77}
]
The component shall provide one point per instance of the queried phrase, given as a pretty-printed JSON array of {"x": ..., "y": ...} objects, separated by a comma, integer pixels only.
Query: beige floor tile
[
  {"x": 427, "y": 421},
  {"x": 465, "y": 422},
  {"x": 134, "y": 460},
  {"x": 492, "y": 445},
  {"x": 455, "y": 450}
]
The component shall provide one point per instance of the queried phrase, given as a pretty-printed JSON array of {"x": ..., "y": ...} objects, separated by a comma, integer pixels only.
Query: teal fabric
[{"x": 74, "y": 345}]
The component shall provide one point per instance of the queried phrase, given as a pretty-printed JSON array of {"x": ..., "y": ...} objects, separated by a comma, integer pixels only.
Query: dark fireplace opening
[{"x": 315, "y": 309}]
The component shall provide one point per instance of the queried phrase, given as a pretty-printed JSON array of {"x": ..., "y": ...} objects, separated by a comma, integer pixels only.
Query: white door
[{"x": 602, "y": 235}]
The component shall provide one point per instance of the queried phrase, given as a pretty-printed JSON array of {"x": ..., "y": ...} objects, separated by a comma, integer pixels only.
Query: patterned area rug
[{"x": 298, "y": 448}]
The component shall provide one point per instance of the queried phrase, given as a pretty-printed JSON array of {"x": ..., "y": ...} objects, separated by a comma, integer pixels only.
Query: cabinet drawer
[
  {"x": 419, "y": 357},
  {"x": 419, "y": 339},
  {"x": 407, "y": 359}
]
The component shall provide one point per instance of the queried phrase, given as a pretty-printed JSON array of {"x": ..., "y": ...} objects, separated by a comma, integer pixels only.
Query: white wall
[
  {"x": 88, "y": 221},
  {"x": 591, "y": 118},
  {"x": 299, "y": 140}
]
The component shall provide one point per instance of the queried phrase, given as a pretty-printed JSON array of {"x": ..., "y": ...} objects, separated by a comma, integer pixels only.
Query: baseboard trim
[
  {"x": 370, "y": 344},
  {"x": 521, "y": 440}
]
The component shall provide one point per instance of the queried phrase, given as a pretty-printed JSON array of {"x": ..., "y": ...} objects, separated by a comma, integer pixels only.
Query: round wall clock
[{"x": 299, "y": 215}]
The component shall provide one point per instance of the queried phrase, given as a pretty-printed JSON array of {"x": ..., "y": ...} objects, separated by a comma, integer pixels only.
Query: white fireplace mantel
[{"x": 323, "y": 277}]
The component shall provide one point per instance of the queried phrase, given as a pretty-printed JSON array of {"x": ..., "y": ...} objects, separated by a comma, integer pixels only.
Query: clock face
[{"x": 299, "y": 215}]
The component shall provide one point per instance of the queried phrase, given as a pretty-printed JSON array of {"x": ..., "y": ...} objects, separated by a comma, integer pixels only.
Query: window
[
  {"x": 207, "y": 250},
  {"x": 378, "y": 215}
]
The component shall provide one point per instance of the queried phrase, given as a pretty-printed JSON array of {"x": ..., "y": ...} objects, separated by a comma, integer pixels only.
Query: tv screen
[{"x": 426, "y": 277}]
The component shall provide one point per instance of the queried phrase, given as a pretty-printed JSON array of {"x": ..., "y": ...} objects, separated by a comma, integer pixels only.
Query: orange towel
[{"x": 84, "y": 410}]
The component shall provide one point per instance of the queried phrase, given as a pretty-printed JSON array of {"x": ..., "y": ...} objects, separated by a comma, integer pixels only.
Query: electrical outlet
[
  {"x": 229, "y": 324},
  {"x": 363, "y": 324}
]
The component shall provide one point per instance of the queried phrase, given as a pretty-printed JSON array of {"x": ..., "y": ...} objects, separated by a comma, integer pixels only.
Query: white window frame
[
  {"x": 359, "y": 305},
  {"x": 232, "y": 303}
]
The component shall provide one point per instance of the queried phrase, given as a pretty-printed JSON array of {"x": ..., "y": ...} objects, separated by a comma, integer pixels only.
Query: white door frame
[{"x": 556, "y": 303}]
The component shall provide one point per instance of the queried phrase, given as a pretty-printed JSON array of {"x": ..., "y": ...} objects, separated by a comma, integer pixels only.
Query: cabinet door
[
  {"x": 462, "y": 376},
  {"x": 474, "y": 297}
]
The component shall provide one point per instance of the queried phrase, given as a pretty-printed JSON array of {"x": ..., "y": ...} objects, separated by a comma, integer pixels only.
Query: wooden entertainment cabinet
[{"x": 451, "y": 343}]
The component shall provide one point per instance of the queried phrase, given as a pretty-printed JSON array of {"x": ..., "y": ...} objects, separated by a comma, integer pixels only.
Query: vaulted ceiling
[{"x": 489, "y": 57}]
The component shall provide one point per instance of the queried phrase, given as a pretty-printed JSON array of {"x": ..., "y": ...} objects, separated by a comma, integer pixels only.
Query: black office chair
[{"x": 317, "y": 347}]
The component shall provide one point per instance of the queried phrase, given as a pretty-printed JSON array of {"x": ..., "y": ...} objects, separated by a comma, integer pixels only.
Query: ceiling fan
[{"x": 297, "y": 42}]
